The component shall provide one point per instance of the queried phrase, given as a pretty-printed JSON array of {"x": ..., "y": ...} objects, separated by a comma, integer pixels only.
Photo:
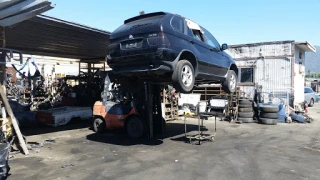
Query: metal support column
[
  {"x": 149, "y": 108},
  {"x": 158, "y": 120}
]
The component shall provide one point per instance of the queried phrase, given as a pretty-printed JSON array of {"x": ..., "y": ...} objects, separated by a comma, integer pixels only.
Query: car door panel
[{"x": 218, "y": 61}]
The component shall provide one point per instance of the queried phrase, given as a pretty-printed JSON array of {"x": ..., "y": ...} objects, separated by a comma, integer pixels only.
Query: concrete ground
[{"x": 246, "y": 151}]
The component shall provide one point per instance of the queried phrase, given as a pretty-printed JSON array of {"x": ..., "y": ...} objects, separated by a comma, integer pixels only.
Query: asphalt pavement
[{"x": 240, "y": 151}]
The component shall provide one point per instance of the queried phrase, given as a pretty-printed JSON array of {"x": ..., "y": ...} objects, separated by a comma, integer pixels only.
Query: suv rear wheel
[
  {"x": 230, "y": 84},
  {"x": 183, "y": 77}
]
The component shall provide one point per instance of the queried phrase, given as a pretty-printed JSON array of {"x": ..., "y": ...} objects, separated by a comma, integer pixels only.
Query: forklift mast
[{"x": 145, "y": 98}]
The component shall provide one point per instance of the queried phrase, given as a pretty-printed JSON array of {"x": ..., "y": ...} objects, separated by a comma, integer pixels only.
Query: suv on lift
[{"x": 164, "y": 48}]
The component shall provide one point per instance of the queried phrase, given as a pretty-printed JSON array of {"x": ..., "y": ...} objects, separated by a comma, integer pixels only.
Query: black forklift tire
[
  {"x": 268, "y": 121},
  {"x": 99, "y": 125},
  {"x": 269, "y": 109},
  {"x": 177, "y": 81},
  {"x": 246, "y": 114},
  {"x": 135, "y": 127},
  {"x": 230, "y": 85},
  {"x": 245, "y": 120},
  {"x": 269, "y": 115},
  {"x": 246, "y": 109}
]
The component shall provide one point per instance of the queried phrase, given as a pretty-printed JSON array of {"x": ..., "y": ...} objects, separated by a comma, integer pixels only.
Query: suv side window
[
  {"x": 177, "y": 23},
  {"x": 210, "y": 40},
  {"x": 197, "y": 34}
]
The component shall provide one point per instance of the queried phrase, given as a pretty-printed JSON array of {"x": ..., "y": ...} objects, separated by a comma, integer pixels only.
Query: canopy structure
[{"x": 16, "y": 11}]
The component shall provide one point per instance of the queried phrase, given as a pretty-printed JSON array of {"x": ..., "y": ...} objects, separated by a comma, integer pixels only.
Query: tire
[
  {"x": 99, "y": 125},
  {"x": 183, "y": 77},
  {"x": 246, "y": 114},
  {"x": 245, "y": 101},
  {"x": 230, "y": 85},
  {"x": 135, "y": 127},
  {"x": 245, "y": 120},
  {"x": 246, "y": 109},
  {"x": 269, "y": 115},
  {"x": 311, "y": 102},
  {"x": 269, "y": 109},
  {"x": 268, "y": 121},
  {"x": 245, "y": 106}
]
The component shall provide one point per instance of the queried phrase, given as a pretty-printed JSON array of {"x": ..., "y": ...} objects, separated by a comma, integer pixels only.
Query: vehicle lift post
[{"x": 153, "y": 111}]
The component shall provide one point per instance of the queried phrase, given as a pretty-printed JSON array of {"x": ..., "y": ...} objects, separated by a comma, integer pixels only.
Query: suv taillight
[{"x": 158, "y": 39}]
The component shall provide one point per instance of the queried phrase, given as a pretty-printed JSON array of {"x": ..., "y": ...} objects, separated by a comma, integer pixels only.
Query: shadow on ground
[
  {"x": 174, "y": 131},
  {"x": 43, "y": 129}
]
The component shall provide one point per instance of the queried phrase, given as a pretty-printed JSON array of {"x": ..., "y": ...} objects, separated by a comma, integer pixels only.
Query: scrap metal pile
[{"x": 36, "y": 92}]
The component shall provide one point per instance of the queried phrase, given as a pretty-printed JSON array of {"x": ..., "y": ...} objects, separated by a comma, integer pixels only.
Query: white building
[{"x": 276, "y": 69}]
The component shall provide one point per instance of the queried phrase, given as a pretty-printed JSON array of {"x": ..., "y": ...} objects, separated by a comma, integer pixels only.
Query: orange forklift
[{"x": 131, "y": 104}]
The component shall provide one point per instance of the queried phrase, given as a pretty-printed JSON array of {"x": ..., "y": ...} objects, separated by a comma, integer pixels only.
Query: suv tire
[
  {"x": 183, "y": 77},
  {"x": 230, "y": 85}
]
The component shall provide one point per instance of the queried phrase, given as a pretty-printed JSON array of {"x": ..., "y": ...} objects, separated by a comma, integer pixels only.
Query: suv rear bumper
[{"x": 163, "y": 60}]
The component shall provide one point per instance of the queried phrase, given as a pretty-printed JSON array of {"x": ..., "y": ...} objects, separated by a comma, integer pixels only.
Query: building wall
[
  {"x": 272, "y": 75},
  {"x": 267, "y": 50},
  {"x": 272, "y": 69},
  {"x": 299, "y": 75}
]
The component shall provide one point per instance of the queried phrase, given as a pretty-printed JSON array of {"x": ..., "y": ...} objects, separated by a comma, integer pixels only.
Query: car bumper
[{"x": 162, "y": 60}]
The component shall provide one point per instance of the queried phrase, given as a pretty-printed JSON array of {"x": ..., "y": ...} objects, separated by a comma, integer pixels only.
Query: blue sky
[{"x": 233, "y": 21}]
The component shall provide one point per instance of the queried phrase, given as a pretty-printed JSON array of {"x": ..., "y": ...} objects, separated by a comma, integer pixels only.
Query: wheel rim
[
  {"x": 232, "y": 82},
  {"x": 186, "y": 75},
  {"x": 97, "y": 124}
]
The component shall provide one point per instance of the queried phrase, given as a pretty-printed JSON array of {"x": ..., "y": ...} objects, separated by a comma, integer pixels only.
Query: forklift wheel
[
  {"x": 135, "y": 127},
  {"x": 98, "y": 125}
]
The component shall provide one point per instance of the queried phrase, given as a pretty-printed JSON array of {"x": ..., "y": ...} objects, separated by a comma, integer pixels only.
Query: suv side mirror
[{"x": 224, "y": 47}]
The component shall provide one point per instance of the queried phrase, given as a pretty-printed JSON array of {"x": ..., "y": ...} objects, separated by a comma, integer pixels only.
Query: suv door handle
[
  {"x": 211, "y": 49},
  {"x": 191, "y": 41}
]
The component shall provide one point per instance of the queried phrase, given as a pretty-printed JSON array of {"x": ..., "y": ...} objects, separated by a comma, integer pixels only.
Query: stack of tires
[
  {"x": 245, "y": 111},
  {"x": 269, "y": 115}
]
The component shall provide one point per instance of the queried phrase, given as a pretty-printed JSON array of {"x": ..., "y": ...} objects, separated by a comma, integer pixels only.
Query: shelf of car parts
[
  {"x": 206, "y": 91},
  {"x": 170, "y": 108}
]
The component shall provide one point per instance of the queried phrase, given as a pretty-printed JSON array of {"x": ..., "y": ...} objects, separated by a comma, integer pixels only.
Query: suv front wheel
[
  {"x": 183, "y": 77},
  {"x": 230, "y": 84}
]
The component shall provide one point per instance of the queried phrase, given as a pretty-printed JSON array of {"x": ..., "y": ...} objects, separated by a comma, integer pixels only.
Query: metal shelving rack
[{"x": 210, "y": 91}]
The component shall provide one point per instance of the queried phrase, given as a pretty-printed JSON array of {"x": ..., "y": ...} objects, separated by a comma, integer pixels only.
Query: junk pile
[{"x": 80, "y": 90}]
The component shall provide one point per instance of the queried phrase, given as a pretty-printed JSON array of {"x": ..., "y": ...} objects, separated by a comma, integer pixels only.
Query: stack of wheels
[
  {"x": 269, "y": 115},
  {"x": 245, "y": 113}
]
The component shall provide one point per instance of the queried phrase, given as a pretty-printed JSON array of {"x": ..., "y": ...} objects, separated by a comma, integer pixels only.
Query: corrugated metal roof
[
  {"x": 13, "y": 11},
  {"x": 49, "y": 36}
]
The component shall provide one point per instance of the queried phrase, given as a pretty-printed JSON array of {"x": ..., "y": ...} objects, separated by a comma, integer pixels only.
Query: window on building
[
  {"x": 300, "y": 55},
  {"x": 245, "y": 75}
]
